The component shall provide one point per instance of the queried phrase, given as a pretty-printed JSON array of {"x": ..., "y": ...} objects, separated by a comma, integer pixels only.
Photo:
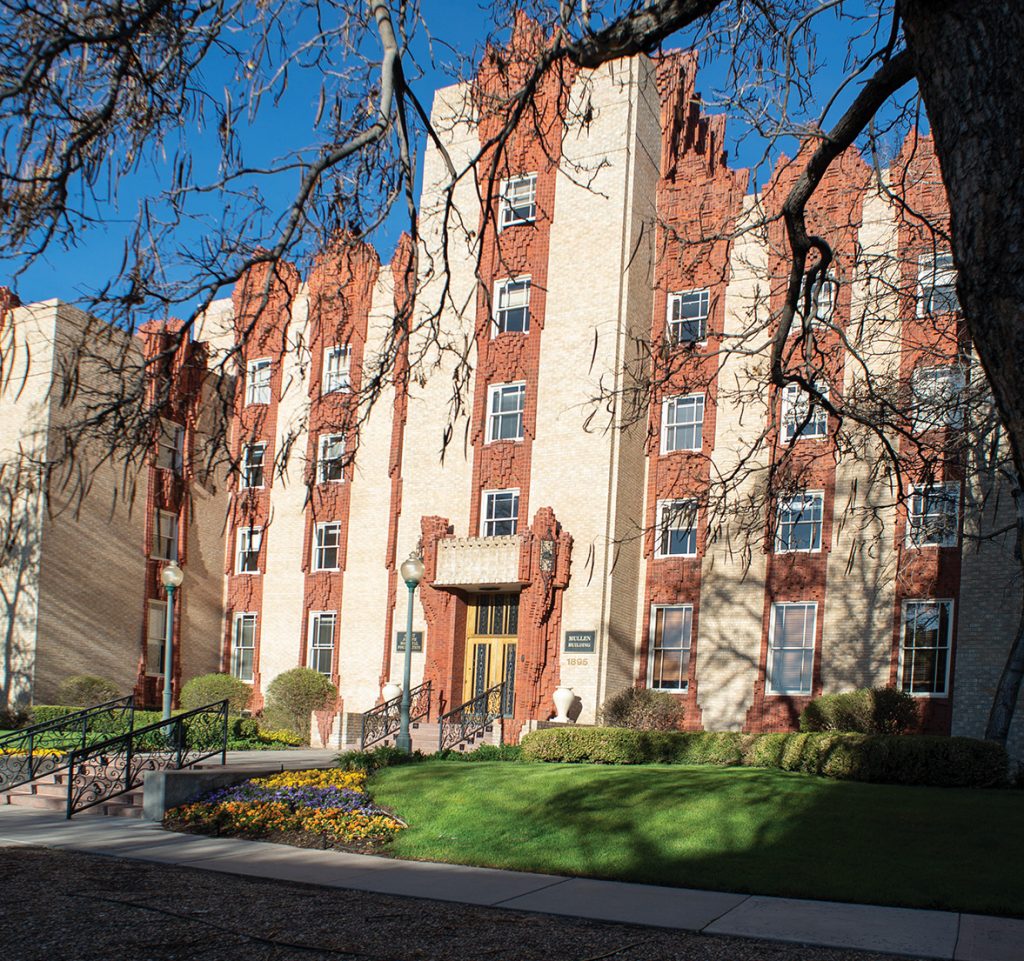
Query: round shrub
[
  {"x": 876, "y": 710},
  {"x": 85, "y": 690},
  {"x": 208, "y": 688},
  {"x": 293, "y": 696},
  {"x": 643, "y": 710}
]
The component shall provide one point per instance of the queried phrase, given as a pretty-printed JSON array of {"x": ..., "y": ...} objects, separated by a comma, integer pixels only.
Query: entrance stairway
[
  {"x": 425, "y": 736},
  {"x": 51, "y": 794}
]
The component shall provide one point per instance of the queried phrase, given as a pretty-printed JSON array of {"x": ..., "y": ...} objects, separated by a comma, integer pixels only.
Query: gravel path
[{"x": 67, "y": 906}]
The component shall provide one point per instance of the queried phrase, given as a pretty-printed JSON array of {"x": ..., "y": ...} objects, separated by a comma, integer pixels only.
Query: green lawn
[{"x": 733, "y": 829}]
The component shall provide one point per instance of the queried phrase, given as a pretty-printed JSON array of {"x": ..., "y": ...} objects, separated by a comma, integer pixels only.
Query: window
[
  {"x": 249, "y": 540},
  {"x": 518, "y": 202},
  {"x": 677, "y": 528},
  {"x": 801, "y": 418},
  {"x": 243, "y": 646},
  {"x": 688, "y": 316},
  {"x": 682, "y": 423},
  {"x": 799, "y": 523},
  {"x": 331, "y": 458},
  {"x": 252, "y": 465},
  {"x": 670, "y": 648},
  {"x": 497, "y": 614},
  {"x": 936, "y": 281},
  {"x": 937, "y": 397},
  {"x": 791, "y": 648},
  {"x": 321, "y": 641},
  {"x": 170, "y": 445},
  {"x": 932, "y": 517},
  {"x": 501, "y": 513},
  {"x": 336, "y": 373},
  {"x": 165, "y": 536},
  {"x": 156, "y": 637},
  {"x": 924, "y": 649},
  {"x": 327, "y": 549},
  {"x": 505, "y": 405},
  {"x": 257, "y": 382},
  {"x": 512, "y": 306}
]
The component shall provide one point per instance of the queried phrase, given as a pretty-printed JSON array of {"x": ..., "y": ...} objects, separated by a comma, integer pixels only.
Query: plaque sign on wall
[
  {"x": 417, "y": 642},
  {"x": 580, "y": 642}
]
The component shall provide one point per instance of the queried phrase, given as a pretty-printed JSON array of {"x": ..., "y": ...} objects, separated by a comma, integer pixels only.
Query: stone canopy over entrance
[{"x": 535, "y": 562}]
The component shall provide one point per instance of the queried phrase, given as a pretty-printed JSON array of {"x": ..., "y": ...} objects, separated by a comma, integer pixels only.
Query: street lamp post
[
  {"x": 412, "y": 574},
  {"x": 171, "y": 577}
]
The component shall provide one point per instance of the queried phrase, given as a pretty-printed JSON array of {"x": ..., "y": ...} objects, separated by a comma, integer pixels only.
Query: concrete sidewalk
[{"x": 927, "y": 934}]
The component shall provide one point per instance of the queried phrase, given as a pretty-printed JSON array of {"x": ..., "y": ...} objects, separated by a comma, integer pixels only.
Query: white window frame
[
  {"x": 917, "y": 525},
  {"x": 157, "y": 639},
  {"x": 674, "y": 325},
  {"x": 486, "y": 499},
  {"x": 795, "y": 404},
  {"x": 937, "y": 393},
  {"x": 931, "y": 276},
  {"x": 237, "y": 650},
  {"x": 246, "y": 466},
  {"x": 947, "y": 602},
  {"x": 697, "y": 403},
  {"x": 248, "y": 535},
  {"x": 809, "y": 498},
  {"x": 496, "y": 417},
  {"x": 324, "y": 442},
  {"x": 170, "y": 446},
  {"x": 687, "y": 647},
  {"x": 807, "y": 651},
  {"x": 678, "y": 506},
  {"x": 501, "y": 307},
  {"x": 506, "y": 208},
  {"x": 257, "y": 389},
  {"x": 336, "y": 377},
  {"x": 315, "y": 619},
  {"x": 320, "y": 548},
  {"x": 165, "y": 532}
]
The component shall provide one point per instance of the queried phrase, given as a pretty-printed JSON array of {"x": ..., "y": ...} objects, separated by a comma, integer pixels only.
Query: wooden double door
[{"x": 492, "y": 628}]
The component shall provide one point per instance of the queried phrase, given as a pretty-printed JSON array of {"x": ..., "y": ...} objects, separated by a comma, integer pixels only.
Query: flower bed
[{"x": 318, "y": 808}]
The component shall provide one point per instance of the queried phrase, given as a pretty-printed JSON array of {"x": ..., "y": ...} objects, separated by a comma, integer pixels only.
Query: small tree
[
  {"x": 643, "y": 710},
  {"x": 294, "y": 695},
  {"x": 84, "y": 690},
  {"x": 876, "y": 710},
  {"x": 208, "y": 688}
]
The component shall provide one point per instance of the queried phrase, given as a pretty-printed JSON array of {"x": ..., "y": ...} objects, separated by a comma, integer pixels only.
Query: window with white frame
[
  {"x": 247, "y": 550},
  {"x": 257, "y": 382},
  {"x": 165, "y": 536},
  {"x": 243, "y": 645},
  {"x": 321, "y": 641},
  {"x": 801, "y": 418},
  {"x": 170, "y": 446},
  {"x": 156, "y": 637},
  {"x": 327, "y": 547},
  {"x": 933, "y": 515},
  {"x": 688, "y": 316},
  {"x": 336, "y": 369},
  {"x": 518, "y": 201},
  {"x": 936, "y": 283},
  {"x": 938, "y": 397},
  {"x": 500, "y": 515},
  {"x": 669, "y": 660},
  {"x": 512, "y": 306},
  {"x": 791, "y": 648},
  {"x": 677, "y": 528},
  {"x": 330, "y": 458},
  {"x": 682, "y": 423},
  {"x": 799, "y": 522},
  {"x": 924, "y": 647},
  {"x": 505, "y": 406},
  {"x": 252, "y": 465}
]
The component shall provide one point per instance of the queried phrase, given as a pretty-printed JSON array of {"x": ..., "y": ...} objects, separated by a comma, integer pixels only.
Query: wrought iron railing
[
  {"x": 45, "y": 748},
  {"x": 99, "y": 772},
  {"x": 472, "y": 718},
  {"x": 382, "y": 721}
]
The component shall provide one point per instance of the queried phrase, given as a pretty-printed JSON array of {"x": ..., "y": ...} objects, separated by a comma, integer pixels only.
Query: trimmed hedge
[
  {"x": 881, "y": 759},
  {"x": 87, "y": 689},
  {"x": 870, "y": 710},
  {"x": 643, "y": 710}
]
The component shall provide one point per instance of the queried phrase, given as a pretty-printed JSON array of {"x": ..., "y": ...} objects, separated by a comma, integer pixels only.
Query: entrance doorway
[{"x": 492, "y": 628}]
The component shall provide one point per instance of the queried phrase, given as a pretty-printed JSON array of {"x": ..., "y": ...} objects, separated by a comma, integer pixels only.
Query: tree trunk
[{"x": 969, "y": 59}]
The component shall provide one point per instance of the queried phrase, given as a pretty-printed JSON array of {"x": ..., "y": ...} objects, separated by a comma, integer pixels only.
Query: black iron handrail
[
  {"x": 472, "y": 718},
  {"x": 99, "y": 772},
  {"x": 44, "y": 748},
  {"x": 384, "y": 720}
]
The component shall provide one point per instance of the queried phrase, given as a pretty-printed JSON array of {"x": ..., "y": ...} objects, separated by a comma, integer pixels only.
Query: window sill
[
  {"x": 676, "y": 557},
  {"x": 796, "y": 550},
  {"x": 928, "y": 697}
]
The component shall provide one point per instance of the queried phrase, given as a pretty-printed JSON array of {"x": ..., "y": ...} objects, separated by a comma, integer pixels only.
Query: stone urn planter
[
  {"x": 563, "y": 698},
  {"x": 390, "y": 690}
]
